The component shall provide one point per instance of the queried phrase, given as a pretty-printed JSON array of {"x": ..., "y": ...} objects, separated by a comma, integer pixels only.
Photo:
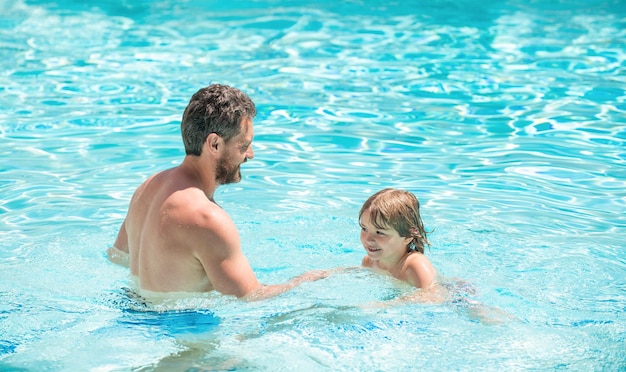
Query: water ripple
[{"x": 507, "y": 119}]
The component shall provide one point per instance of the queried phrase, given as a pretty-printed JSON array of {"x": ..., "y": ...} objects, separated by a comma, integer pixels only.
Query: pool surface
[{"x": 506, "y": 118}]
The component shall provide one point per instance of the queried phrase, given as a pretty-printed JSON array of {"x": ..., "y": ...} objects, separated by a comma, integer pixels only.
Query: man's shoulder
[{"x": 190, "y": 208}]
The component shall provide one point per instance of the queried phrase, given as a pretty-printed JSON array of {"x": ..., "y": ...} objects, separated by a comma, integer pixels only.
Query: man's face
[{"x": 238, "y": 151}]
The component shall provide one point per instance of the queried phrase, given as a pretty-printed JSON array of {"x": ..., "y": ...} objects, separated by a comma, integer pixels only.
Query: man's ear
[{"x": 213, "y": 142}]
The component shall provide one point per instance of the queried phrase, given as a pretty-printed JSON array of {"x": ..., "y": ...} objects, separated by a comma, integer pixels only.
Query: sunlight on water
[{"x": 506, "y": 119}]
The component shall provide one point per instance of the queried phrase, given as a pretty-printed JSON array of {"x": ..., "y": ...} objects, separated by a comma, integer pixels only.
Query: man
[{"x": 175, "y": 237}]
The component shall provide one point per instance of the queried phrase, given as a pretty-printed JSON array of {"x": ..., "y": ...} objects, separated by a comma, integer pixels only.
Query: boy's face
[{"x": 381, "y": 244}]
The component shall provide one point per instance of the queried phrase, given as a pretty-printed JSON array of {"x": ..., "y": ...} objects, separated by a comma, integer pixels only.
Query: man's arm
[
  {"x": 236, "y": 277},
  {"x": 268, "y": 291},
  {"x": 214, "y": 241},
  {"x": 118, "y": 253},
  {"x": 227, "y": 267},
  {"x": 118, "y": 257}
]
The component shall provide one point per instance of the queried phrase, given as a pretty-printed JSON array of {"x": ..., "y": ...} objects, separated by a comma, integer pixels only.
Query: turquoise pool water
[{"x": 506, "y": 118}]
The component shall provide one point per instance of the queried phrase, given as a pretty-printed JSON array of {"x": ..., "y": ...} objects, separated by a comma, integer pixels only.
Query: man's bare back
[
  {"x": 176, "y": 237},
  {"x": 162, "y": 226}
]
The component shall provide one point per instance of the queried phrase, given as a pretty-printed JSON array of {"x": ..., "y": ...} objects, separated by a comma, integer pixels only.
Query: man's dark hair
[{"x": 215, "y": 109}]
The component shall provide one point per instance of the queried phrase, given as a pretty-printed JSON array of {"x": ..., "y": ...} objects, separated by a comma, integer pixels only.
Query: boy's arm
[{"x": 419, "y": 272}]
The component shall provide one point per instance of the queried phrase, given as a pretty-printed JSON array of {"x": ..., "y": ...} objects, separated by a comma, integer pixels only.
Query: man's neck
[{"x": 200, "y": 172}]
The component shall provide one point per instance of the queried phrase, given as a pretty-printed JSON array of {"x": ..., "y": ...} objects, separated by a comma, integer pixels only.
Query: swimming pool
[{"x": 506, "y": 118}]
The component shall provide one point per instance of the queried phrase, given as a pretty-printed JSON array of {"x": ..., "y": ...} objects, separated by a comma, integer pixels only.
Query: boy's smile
[{"x": 381, "y": 244}]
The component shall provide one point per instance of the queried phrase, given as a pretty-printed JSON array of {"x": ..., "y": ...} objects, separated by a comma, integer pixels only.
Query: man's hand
[
  {"x": 310, "y": 276},
  {"x": 118, "y": 257}
]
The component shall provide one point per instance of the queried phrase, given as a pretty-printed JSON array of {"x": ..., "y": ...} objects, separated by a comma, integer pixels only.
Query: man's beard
[{"x": 226, "y": 172}]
